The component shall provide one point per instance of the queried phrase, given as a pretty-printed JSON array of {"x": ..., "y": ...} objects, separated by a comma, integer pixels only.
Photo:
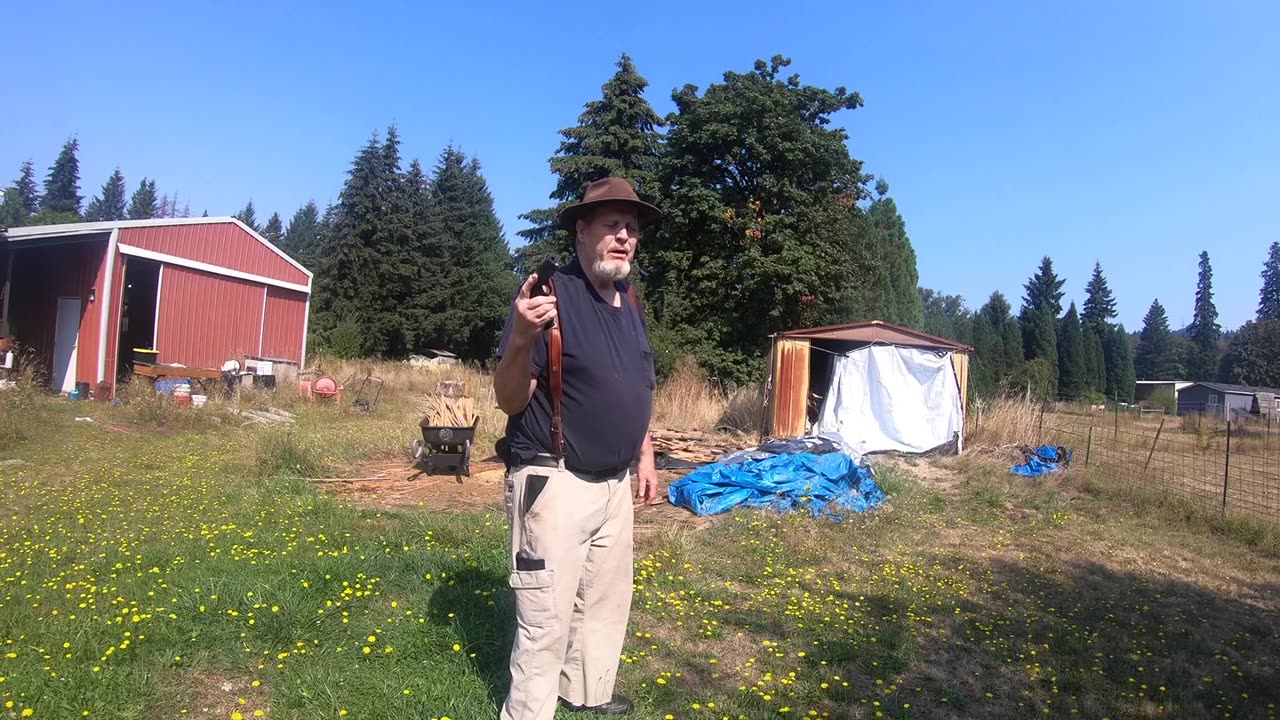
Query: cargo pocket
[{"x": 535, "y": 596}]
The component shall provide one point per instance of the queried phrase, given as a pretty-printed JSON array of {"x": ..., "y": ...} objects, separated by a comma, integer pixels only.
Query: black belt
[{"x": 593, "y": 475}]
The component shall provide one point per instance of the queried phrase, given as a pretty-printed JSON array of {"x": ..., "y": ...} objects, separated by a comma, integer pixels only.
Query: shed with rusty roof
[{"x": 864, "y": 373}]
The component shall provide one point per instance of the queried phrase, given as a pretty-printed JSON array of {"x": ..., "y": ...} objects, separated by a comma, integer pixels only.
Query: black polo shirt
[{"x": 608, "y": 380}]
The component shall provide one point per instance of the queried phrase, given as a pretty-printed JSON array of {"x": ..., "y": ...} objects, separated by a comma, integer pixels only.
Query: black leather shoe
[{"x": 617, "y": 706}]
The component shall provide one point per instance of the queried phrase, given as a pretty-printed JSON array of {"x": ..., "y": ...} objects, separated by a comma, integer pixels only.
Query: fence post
[
  {"x": 1040, "y": 428},
  {"x": 1153, "y": 446},
  {"x": 1226, "y": 472},
  {"x": 1117, "y": 405},
  {"x": 1088, "y": 449}
]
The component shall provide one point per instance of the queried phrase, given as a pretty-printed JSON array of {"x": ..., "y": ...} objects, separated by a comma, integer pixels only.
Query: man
[{"x": 571, "y": 512}]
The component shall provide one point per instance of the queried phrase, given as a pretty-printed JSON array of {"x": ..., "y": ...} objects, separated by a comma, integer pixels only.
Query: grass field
[
  {"x": 1184, "y": 456},
  {"x": 158, "y": 564}
]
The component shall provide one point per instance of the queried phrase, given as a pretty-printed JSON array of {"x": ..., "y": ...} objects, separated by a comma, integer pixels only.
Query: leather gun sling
[{"x": 555, "y": 348}]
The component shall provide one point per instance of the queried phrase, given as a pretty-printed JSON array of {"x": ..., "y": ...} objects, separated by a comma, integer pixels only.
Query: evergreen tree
[
  {"x": 301, "y": 239},
  {"x": 1157, "y": 357},
  {"x": 760, "y": 188},
  {"x": 28, "y": 191},
  {"x": 1073, "y": 367},
  {"x": 1254, "y": 355},
  {"x": 1202, "y": 357},
  {"x": 111, "y": 204},
  {"x": 946, "y": 316},
  {"x": 896, "y": 259},
  {"x": 144, "y": 205},
  {"x": 1043, "y": 335},
  {"x": 615, "y": 135},
  {"x": 13, "y": 212},
  {"x": 1099, "y": 304},
  {"x": 62, "y": 186},
  {"x": 1269, "y": 298},
  {"x": 997, "y": 344},
  {"x": 274, "y": 229},
  {"x": 249, "y": 216},
  {"x": 1039, "y": 318},
  {"x": 1120, "y": 374},
  {"x": 367, "y": 271},
  {"x": 476, "y": 283},
  {"x": 1095, "y": 358}
]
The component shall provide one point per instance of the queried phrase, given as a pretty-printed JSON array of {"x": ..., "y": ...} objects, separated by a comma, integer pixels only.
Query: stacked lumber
[
  {"x": 445, "y": 411},
  {"x": 693, "y": 446}
]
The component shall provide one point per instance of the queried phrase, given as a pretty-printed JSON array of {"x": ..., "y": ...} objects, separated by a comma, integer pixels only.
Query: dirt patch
[
  {"x": 211, "y": 693},
  {"x": 386, "y": 484}
]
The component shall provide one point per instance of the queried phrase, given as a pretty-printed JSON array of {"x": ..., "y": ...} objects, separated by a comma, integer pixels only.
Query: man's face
[{"x": 608, "y": 240}]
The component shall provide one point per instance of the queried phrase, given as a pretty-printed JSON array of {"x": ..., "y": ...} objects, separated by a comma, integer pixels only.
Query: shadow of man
[{"x": 477, "y": 605}]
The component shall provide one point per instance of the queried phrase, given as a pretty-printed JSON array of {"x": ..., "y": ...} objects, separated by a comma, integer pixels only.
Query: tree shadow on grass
[
  {"x": 478, "y": 605},
  {"x": 1038, "y": 637}
]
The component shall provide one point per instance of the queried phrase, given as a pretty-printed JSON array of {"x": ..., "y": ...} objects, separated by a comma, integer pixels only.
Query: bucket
[
  {"x": 198, "y": 400},
  {"x": 182, "y": 400},
  {"x": 182, "y": 389}
]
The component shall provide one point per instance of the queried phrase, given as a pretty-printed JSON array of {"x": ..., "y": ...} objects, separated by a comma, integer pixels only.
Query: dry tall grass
[{"x": 689, "y": 401}]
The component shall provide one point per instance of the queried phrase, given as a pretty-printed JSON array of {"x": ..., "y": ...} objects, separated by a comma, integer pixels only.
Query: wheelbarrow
[{"x": 445, "y": 447}]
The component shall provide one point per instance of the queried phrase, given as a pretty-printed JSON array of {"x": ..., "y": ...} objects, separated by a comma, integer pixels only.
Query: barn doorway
[{"x": 138, "y": 311}]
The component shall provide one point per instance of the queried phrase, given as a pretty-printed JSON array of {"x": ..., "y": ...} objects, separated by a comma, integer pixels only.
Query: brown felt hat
[{"x": 603, "y": 192}]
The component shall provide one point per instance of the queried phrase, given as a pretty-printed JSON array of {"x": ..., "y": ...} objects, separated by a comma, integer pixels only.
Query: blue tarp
[
  {"x": 1043, "y": 460},
  {"x": 823, "y": 484}
]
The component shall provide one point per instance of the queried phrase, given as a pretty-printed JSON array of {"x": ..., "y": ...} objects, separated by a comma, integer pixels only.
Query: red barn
[{"x": 200, "y": 291}]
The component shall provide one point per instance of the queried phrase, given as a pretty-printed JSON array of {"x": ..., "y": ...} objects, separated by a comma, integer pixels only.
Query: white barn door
[{"x": 66, "y": 341}]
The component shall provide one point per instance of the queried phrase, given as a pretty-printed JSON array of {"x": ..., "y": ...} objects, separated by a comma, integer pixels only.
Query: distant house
[
  {"x": 1145, "y": 389},
  {"x": 1224, "y": 400}
]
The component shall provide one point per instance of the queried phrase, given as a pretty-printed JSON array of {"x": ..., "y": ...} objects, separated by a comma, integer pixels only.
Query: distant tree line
[
  {"x": 26, "y": 202},
  {"x": 1085, "y": 356}
]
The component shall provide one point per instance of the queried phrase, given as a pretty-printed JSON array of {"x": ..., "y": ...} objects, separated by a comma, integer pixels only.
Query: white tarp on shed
[{"x": 893, "y": 398}]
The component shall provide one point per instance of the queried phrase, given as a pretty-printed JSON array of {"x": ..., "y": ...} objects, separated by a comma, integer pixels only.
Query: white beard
[{"x": 612, "y": 270}]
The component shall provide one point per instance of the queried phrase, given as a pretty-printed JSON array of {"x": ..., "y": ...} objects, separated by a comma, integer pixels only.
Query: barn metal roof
[
  {"x": 873, "y": 331},
  {"x": 1237, "y": 389},
  {"x": 89, "y": 228}
]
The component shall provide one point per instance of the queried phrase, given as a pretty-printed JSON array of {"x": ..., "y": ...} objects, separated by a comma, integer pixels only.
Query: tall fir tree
[
  {"x": 1202, "y": 362},
  {"x": 1120, "y": 374},
  {"x": 110, "y": 205},
  {"x": 1157, "y": 356},
  {"x": 1099, "y": 304},
  {"x": 301, "y": 239},
  {"x": 763, "y": 185},
  {"x": 274, "y": 229},
  {"x": 368, "y": 272},
  {"x": 1269, "y": 297},
  {"x": 1073, "y": 367},
  {"x": 249, "y": 216},
  {"x": 1038, "y": 318},
  {"x": 1095, "y": 358},
  {"x": 896, "y": 259},
  {"x": 997, "y": 347},
  {"x": 144, "y": 204},
  {"x": 616, "y": 136},
  {"x": 28, "y": 190},
  {"x": 476, "y": 282},
  {"x": 62, "y": 185}
]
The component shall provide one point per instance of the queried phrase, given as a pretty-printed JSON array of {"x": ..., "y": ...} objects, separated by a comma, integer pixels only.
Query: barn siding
[
  {"x": 221, "y": 244},
  {"x": 41, "y": 275},
  {"x": 283, "y": 324},
  {"x": 207, "y": 319}
]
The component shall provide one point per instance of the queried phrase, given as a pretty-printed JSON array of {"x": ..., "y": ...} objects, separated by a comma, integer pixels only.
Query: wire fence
[{"x": 1233, "y": 464}]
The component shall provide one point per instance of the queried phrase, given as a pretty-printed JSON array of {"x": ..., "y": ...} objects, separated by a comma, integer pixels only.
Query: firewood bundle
[
  {"x": 445, "y": 411},
  {"x": 693, "y": 446}
]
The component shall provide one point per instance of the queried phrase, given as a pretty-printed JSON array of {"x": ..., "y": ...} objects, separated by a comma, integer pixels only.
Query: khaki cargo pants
[{"x": 571, "y": 560}]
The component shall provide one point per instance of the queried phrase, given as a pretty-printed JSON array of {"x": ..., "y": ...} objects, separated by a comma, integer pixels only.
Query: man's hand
[
  {"x": 646, "y": 476},
  {"x": 532, "y": 313}
]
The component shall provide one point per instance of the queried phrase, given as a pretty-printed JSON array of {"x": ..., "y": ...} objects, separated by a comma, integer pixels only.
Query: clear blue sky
[{"x": 1135, "y": 133}]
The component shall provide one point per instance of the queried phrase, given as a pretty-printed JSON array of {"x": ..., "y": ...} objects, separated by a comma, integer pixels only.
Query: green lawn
[{"x": 185, "y": 571}]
